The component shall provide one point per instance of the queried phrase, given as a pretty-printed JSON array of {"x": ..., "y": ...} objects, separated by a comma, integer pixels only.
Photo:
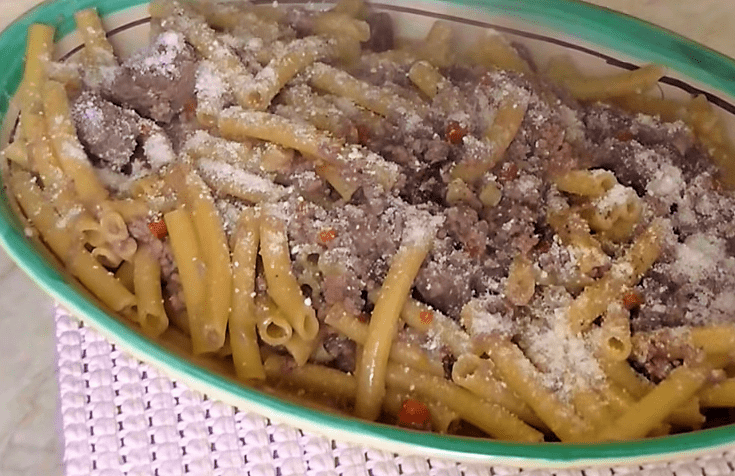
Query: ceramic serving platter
[{"x": 598, "y": 40}]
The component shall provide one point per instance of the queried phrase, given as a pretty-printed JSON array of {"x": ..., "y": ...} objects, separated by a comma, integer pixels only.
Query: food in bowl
[{"x": 448, "y": 241}]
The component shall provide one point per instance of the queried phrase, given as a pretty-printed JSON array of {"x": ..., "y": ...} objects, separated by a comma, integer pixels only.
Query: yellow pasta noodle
[
  {"x": 272, "y": 325},
  {"x": 596, "y": 88},
  {"x": 427, "y": 78},
  {"x": 238, "y": 124},
  {"x": 651, "y": 410},
  {"x": 314, "y": 378},
  {"x": 243, "y": 321},
  {"x": 443, "y": 418},
  {"x": 400, "y": 352},
  {"x": 282, "y": 285},
  {"x": 517, "y": 372},
  {"x": 492, "y": 418},
  {"x": 71, "y": 156},
  {"x": 215, "y": 253},
  {"x": 269, "y": 81},
  {"x": 595, "y": 299},
  {"x": 38, "y": 54},
  {"x": 189, "y": 258},
  {"x": 493, "y": 50},
  {"x": 397, "y": 284},
  {"x": 476, "y": 375},
  {"x": 615, "y": 335},
  {"x": 498, "y": 136},
  {"x": 720, "y": 395},
  {"x": 98, "y": 53},
  {"x": 340, "y": 83},
  {"x": 147, "y": 283}
]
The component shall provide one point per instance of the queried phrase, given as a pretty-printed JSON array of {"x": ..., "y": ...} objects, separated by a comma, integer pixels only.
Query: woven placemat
[{"x": 122, "y": 417}]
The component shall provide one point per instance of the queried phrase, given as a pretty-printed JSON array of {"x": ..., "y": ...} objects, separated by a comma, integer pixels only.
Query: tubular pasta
[
  {"x": 38, "y": 54},
  {"x": 436, "y": 48},
  {"x": 215, "y": 253},
  {"x": 373, "y": 98},
  {"x": 476, "y": 375},
  {"x": 442, "y": 417},
  {"x": 615, "y": 335},
  {"x": 243, "y": 320},
  {"x": 98, "y": 53},
  {"x": 270, "y": 80},
  {"x": 238, "y": 124},
  {"x": 316, "y": 379},
  {"x": 498, "y": 136},
  {"x": 427, "y": 78},
  {"x": 491, "y": 418},
  {"x": 397, "y": 284},
  {"x": 273, "y": 327},
  {"x": 493, "y": 50},
  {"x": 69, "y": 151},
  {"x": 400, "y": 352},
  {"x": 186, "y": 250},
  {"x": 281, "y": 283},
  {"x": 644, "y": 415},
  {"x": 518, "y": 373},
  {"x": 147, "y": 284},
  {"x": 595, "y": 298},
  {"x": 563, "y": 71}
]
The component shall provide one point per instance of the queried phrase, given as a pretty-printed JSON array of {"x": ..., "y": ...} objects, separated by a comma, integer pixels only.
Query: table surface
[{"x": 30, "y": 442}]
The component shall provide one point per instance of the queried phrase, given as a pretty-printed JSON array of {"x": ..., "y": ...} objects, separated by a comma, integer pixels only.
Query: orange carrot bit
[
  {"x": 426, "y": 317},
  {"x": 158, "y": 228},
  {"x": 414, "y": 414},
  {"x": 632, "y": 300},
  {"x": 455, "y": 133},
  {"x": 327, "y": 235}
]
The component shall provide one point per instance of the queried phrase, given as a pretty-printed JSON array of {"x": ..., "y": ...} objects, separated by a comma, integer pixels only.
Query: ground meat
[
  {"x": 106, "y": 130},
  {"x": 364, "y": 240},
  {"x": 342, "y": 350},
  {"x": 157, "y": 81},
  {"x": 445, "y": 280},
  {"x": 381, "y": 32},
  {"x": 464, "y": 227},
  {"x": 660, "y": 352},
  {"x": 619, "y": 140}
]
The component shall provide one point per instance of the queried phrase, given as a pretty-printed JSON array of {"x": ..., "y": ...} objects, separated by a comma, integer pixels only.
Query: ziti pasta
[{"x": 383, "y": 225}]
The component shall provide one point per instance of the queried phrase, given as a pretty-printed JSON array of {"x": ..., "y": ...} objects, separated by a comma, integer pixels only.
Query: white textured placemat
[{"x": 122, "y": 417}]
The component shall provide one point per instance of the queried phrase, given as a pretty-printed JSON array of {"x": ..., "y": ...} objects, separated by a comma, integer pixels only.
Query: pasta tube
[
  {"x": 595, "y": 298},
  {"x": 652, "y": 410},
  {"x": 491, "y": 418},
  {"x": 518, "y": 373},
  {"x": 393, "y": 295},
  {"x": 147, "y": 284},
  {"x": 242, "y": 325},
  {"x": 186, "y": 250}
]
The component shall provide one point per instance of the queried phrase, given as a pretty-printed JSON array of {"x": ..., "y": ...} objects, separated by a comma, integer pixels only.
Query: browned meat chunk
[
  {"x": 107, "y": 131},
  {"x": 381, "y": 32},
  {"x": 158, "y": 80}
]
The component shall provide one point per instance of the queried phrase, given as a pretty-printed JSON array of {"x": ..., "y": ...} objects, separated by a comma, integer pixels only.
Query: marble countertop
[{"x": 30, "y": 439}]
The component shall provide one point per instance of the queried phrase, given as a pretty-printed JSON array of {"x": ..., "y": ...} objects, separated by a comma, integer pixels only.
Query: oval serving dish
[{"x": 598, "y": 40}]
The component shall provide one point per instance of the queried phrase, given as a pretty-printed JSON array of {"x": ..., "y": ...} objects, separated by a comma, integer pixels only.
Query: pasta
[
  {"x": 415, "y": 234},
  {"x": 393, "y": 294}
]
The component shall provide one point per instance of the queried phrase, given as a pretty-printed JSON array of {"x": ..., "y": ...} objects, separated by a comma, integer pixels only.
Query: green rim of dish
[{"x": 595, "y": 25}]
